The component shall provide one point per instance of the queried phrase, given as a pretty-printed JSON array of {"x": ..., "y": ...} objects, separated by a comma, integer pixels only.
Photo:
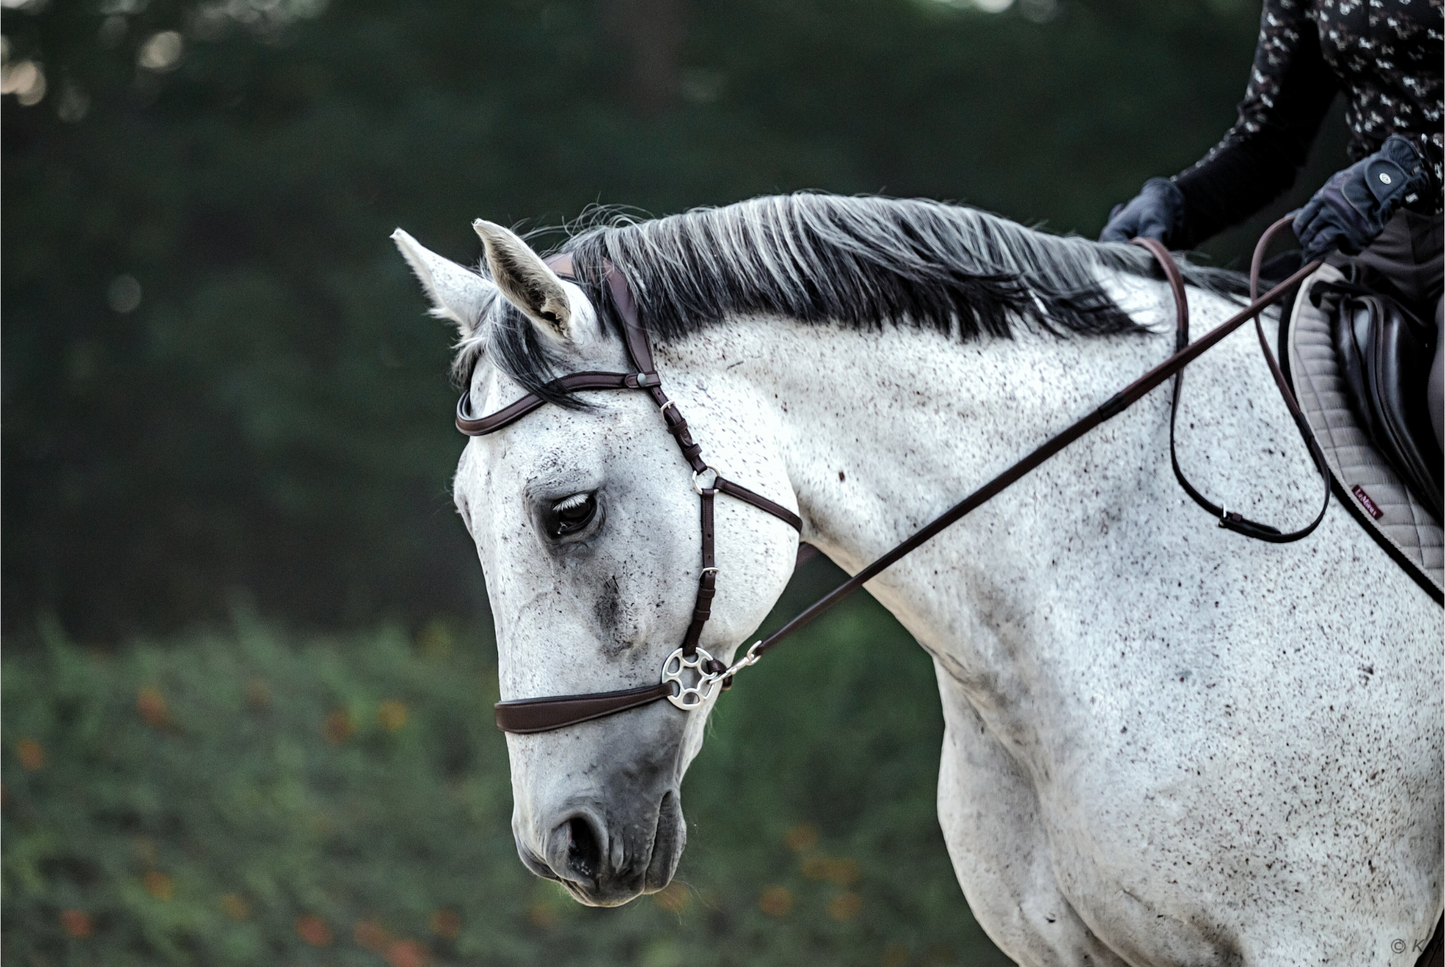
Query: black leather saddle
[{"x": 1384, "y": 352}]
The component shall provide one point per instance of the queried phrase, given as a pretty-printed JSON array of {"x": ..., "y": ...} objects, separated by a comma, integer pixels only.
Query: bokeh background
[{"x": 247, "y": 659}]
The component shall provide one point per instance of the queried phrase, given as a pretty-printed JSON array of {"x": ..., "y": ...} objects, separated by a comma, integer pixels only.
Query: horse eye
[{"x": 571, "y": 514}]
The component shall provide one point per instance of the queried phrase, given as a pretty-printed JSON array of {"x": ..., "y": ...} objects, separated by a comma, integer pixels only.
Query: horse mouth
[
  {"x": 535, "y": 864},
  {"x": 667, "y": 843}
]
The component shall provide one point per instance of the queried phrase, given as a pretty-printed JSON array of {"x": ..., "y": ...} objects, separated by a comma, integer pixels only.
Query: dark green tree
[{"x": 217, "y": 373}]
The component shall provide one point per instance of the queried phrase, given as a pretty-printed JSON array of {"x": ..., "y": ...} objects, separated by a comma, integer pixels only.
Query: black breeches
[{"x": 1410, "y": 254}]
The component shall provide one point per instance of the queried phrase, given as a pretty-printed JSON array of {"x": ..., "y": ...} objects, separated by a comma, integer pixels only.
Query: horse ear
[
  {"x": 456, "y": 293},
  {"x": 525, "y": 280}
]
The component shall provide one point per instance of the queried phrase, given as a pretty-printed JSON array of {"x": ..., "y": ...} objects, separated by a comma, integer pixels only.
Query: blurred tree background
[
  {"x": 222, "y": 399},
  {"x": 218, "y": 378}
]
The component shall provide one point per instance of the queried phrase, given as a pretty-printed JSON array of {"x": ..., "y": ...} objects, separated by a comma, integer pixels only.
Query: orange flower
[
  {"x": 158, "y": 885},
  {"x": 391, "y": 715},
  {"x": 31, "y": 755},
  {"x": 407, "y": 953},
  {"x": 802, "y": 837},
  {"x": 258, "y": 692},
  {"x": 338, "y": 727},
  {"x": 313, "y": 930},
  {"x": 542, "y": 915},
  {"x": 76, "y": 923},
  {"x": 673, "y": 898},
  {"x": 151, "y": 705},
  {"x": 845, "y": 906},
  {"x": 446, "y": 923},
  {"x": 776, "y": 901},
  {"x": 369, "y": 935},
  {"x": 842, "y": 872},
  {"x": 235, "y": 906}
]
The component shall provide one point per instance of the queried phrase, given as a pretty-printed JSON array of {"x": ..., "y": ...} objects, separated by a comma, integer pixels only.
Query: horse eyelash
[{"x": 567, "y": 503}]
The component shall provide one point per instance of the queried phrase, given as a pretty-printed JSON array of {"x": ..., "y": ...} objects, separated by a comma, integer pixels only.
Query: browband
[{"x": 512, "y": 412}]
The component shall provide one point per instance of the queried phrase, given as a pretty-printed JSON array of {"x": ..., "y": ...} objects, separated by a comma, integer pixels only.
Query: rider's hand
[
  {"x": 1354, "y": 205},
  {"x": 1156, "y": 212}
]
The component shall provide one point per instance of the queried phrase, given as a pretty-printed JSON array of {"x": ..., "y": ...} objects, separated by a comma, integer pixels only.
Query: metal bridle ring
[
  {"x": 708, "y": 469},
  {"x": 689, "y": 697}
]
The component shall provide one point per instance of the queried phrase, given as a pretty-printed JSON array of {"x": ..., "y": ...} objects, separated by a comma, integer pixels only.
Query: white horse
[{"x": 1166, "y": 743}]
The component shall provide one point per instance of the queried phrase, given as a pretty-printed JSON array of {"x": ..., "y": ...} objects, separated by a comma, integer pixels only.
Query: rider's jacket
[{"x": 1386, "y": 55}]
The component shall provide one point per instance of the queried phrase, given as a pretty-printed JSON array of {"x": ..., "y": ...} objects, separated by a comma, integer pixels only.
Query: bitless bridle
[
  {"x": 524, "y": 716},
  {"x": 689, "y": 660}
]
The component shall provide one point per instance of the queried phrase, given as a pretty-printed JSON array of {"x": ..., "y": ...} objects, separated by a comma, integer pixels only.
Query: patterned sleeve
[
  {"x": 1432, "y": 149},
  {"x": 1290, "y": 88}
]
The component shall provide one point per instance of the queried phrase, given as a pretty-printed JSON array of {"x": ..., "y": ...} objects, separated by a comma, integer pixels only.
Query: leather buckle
[{"x": 1237, "y": 522}]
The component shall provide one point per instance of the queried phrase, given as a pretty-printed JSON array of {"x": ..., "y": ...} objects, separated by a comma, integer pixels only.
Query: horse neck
[
  {"x": 883, "y": 430},
  {"x": 880, "y": 432}
]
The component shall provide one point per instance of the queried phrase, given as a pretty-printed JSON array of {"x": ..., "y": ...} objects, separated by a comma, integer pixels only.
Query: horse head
[{"x": 586, "y": 522}]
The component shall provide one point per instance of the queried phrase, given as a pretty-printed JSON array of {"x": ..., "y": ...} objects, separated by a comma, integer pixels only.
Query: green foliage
[
  {"x": 217, "y": 797},
  {"x": 273, "y": 413}
]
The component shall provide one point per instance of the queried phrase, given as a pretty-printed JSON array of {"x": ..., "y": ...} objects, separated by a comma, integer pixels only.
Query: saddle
[
  {"x": 1359, "y": 362},
  {"x": 1384, "y": 352}
]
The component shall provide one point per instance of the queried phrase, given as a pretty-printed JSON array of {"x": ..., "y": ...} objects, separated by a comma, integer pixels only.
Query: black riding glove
[
  {"x": 1156, "y": 212},
  {"x": 1354, "y": 205}
]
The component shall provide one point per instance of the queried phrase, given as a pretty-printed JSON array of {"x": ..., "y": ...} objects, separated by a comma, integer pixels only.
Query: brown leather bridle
[
  {"x": 545, "y": 714},
  {"x": 532, "y": 715}
]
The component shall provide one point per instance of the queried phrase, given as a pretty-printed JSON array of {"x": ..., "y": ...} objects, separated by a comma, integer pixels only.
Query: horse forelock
[{"x": 859, "y": 262}]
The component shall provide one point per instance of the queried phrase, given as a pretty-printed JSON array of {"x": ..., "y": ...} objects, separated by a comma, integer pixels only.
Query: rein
[{"x": 533, "y": 715}]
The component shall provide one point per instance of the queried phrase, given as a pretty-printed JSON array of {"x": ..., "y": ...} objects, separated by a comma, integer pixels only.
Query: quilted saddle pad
[{"x": 1364, "y": 478}]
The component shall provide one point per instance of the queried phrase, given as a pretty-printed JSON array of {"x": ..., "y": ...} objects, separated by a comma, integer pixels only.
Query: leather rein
[{"x": 710, "y": 675}]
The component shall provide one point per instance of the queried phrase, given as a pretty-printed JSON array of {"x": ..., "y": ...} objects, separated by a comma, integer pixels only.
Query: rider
[{"x": 1385, "y": 209}]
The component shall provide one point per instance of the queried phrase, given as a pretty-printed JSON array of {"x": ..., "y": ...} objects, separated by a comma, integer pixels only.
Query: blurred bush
[
  {"x": 248, "y": 796},
  {"x": 217, "y": 372}
]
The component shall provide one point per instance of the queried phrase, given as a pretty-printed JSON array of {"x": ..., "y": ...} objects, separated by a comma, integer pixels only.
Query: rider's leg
[{"x": 1435, "y": 389}]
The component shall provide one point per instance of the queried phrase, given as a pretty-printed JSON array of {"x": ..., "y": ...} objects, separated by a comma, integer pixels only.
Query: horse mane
[{"x": 861, "y": 262}]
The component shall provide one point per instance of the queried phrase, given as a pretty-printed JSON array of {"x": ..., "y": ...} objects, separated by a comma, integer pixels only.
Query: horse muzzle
[{"x": 606, "y": 864}]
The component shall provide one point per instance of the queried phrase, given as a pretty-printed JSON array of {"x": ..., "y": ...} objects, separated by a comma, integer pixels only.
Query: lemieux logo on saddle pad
[{"x": 1366, "y": 502}]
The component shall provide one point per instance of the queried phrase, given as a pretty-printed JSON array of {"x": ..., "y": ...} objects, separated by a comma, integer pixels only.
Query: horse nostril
[{"x": 584, "y": 851}]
